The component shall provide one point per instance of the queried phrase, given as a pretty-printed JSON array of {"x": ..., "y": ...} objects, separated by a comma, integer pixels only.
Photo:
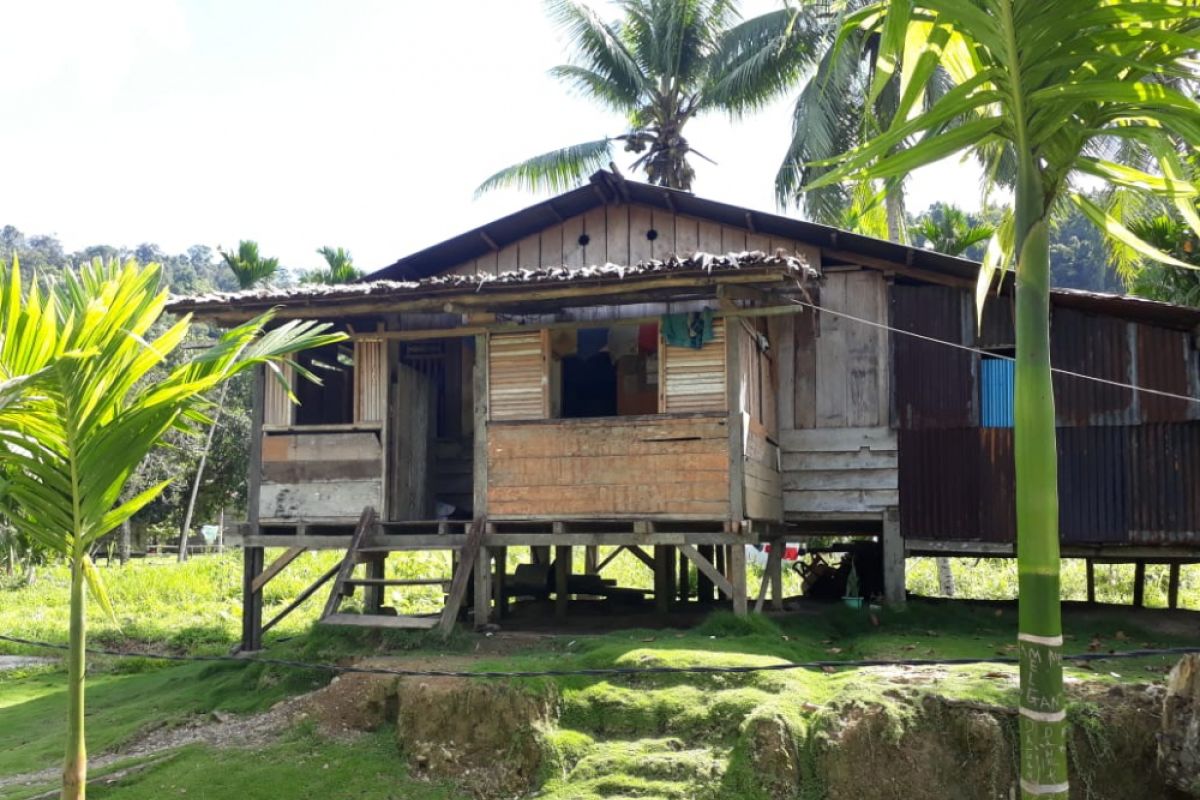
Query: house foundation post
[
  {"x": 483, "y": 587},
  {"x": 894, "y": 593},
  {"x": 737, "y": 577},
  {"x": 252, "y": 600}
]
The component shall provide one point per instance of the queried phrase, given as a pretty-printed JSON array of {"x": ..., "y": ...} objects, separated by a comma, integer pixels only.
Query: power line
[
  {"x": 988, "y": 353},
  {"x": 601, "y": 672}
]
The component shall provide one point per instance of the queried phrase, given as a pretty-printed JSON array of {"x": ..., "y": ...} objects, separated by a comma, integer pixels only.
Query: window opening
[
  {"x": 604, "y": 372},
  {"x": 331, "y": 402}
]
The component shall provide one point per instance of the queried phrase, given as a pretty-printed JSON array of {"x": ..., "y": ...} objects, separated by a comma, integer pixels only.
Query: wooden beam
[
  {"x": 307, "y": 593},
  {"x": 616, "y": 551},
  {"x": 285, "y": 558},
  {"x": 707, "y": 569},
  {"x": 640, "y": 555},
  {"x": 252, "y": 601},
  {"x": 900, "y": 268},
  {"x": 704, "y": 584},
  {"x": 1091, "y": 581},
  {"x": 469, "y": 559},
  {"x": 1139, "y": 584},
  {"x": 1173, "y": 586},
  {"x": 366, "y": 523},
  {"x": 489, "y": 241},
  {"x": 762, "y": 589},
  {"x": 662, "y": 581}
]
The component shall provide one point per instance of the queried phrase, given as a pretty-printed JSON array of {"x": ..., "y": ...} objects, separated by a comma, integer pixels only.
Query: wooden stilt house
[{"x": 625, "y": 365}]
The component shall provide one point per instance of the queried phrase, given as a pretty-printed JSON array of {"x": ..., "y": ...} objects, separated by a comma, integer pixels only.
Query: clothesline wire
[{"x": 990, "y": 354}]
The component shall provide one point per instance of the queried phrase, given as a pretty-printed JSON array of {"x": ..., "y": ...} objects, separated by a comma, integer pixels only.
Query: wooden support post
[
  {"x": 704, "y": 584},
  {"x": 483, "y": 587},
  {"x": 1173, "y": 586},
  {"x": 719, "y": 563},
  {"x": 541, "y": 554},
  {"x": 252, "y": 600},
  {"x": 737, "y": 577},
  {"x": 1091, "y": 581},
  {"x": 499, "y": 582},
  {"x": 479, "y": 389},
  {"x": 373, "y": 595},
  {"x": 591, "y": 559},
  {"x": 662, "y": 578},
  {"x": 894, "y": 589},
  {"x": 1139, "y": 584},
  {"x": 307, "y": 593},
  {"x": 685, "y": 575},
  {"x": 774, "y": 572},
  {"x": 562, "y": 576}
]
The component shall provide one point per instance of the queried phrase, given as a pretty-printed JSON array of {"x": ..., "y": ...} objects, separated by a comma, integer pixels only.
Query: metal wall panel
[
  {"x": 996, "y": 392},
  {"x": 935, "y": 385},
  {"x": 1162, "y": 364},
  {"x": 1118, "y": 484},
  {"x": 1095, "y": 346}
]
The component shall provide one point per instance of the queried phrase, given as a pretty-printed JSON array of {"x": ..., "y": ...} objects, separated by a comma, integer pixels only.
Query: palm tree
[
  {"x": 339, "y": 268},
  {"x": 1161, "y": 281},
  {"x": 250, "y": 270},
  {"x": 1055, "y": 84},
  {"x": 664, "y": 63},
  {"x": 77, "y": 417},
  {"x": 947, "y": 229},
  {"x": 248, "y": 267}
]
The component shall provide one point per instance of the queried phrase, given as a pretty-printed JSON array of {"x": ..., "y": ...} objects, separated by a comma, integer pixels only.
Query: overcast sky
[{"x": 358, "y": 124}]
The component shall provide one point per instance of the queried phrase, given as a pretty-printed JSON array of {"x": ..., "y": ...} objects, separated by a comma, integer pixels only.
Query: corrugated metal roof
[{"x": 699, "y": 264}]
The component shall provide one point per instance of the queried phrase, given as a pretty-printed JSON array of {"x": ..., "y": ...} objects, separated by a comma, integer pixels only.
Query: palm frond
[
  {"x": 761, "y": 58},
  {"x": 556, "y": 171}
]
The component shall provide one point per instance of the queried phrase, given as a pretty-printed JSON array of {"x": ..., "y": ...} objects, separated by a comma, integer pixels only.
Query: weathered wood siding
[
  {"x": 609, "y": 468},
  {"x": 320, "y": 475},
  {"x": 518, "y": 379},
  {"x": 757, "y": 391},
  {"x": 838, "y": 452},
  {"x": 762, "y": 478},
  {"x": 693, "y": 379},
  {"x": 620, "y": 234}
]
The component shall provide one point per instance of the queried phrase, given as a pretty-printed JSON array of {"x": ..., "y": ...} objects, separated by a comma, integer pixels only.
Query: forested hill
[
  {"x": 197, "y": 270},
  {"x": 1077, "y": 256}
]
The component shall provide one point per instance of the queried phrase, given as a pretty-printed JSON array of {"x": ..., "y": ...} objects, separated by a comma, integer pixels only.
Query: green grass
[
  {"x": 996, "y": 579},
  {"x": 644, "y": 735}
]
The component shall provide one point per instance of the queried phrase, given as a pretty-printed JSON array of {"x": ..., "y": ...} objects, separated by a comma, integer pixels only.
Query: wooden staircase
[{"x": 364, "y": 549}]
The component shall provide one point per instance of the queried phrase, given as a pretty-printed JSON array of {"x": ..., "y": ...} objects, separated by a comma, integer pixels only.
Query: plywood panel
[
  {"x": 839, "y": 470},
  {"x": 518, "y": 382},
  {"x": 486, "y": 264},
  {"x": 529, "y": 252},
  {"x": 709, "y": 234},
  {"x": 687, "y": 236},
  {"x": 640, "y": 222},
  {"x": 572, "y": 250},
  {"x": 617, "y": 234},
  {"x": 757, "y": 241},
  {"x": 831, "y": 376},
  {"x": 763, "y": 496},
  {"x": 694, "y": 379},
  {"x": 333, "y": 446},
  {"x": 664, "y": 244},
  {"x": 733, "y": 240},
  {"x": 552, "y": 247},
  {"x": 595, "y": 225},
  {"x": 613, "y": 467},
  {"x": 341, "y": 498},
  {"x": 507, "y": 258}
]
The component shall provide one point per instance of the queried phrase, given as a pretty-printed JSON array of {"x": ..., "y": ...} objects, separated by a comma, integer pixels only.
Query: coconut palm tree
[
  {"x": 950, "y": 231},
  {"x": 339, "y": 268},
  {"x": 1055, "y": 84},
  {"x": 664, "y": 63},
  {"x": 77, "y": 417},
  {"x": 249, "y": 268}
]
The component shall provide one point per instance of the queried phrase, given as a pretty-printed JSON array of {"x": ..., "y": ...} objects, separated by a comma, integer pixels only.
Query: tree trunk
[
  {"x": 186, "y": 527},
  {"x": 945, "y": 577},
  {"x": 221, "y": 531},
  {"x": 1042, "y": 715},
  {"x": 126, "y": 536},
  {"x": 894, "y": 205},
  {"x": 75, "y": 765}
]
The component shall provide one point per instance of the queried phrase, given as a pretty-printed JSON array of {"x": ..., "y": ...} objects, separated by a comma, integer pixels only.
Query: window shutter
[
  {"x": 694, "y": 380},
  {"x": 278, "y": 409},
  {"x": 518, "y": 382},
  {"x": 370, "y": 381}
]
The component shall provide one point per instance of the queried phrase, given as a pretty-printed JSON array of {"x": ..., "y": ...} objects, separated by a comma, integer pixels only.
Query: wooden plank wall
[
  {"x": 838, "y": 451},
  {"x": 613, "y": 467},
  {"x": 618, "y": 234},
  {"x": 311, "y": 475},
  {"x": 762, "y": 482},
  {"x": 693, "y": 379},
  {"x": 278, "y": 409},
  {"x": 370, "y": 380}
]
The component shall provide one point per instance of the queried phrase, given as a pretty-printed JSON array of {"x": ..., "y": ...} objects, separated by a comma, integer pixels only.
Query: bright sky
[{"x": 365, "y": 124}]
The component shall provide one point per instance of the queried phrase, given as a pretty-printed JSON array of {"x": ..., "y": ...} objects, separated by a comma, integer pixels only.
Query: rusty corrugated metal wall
[
  {"x": 1129, "y": 462},
  {"x": 935, "y": 385},
  {"x": 1118, "y": 484}
]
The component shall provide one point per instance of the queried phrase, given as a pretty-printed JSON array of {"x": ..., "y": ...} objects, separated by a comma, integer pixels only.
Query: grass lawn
[{"x": 660, "y": 736}]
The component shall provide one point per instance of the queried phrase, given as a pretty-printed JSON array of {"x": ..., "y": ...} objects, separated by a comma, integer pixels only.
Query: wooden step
[
  {"x": 382, "y": 621},
  {"x": 397, "y": 582}
]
